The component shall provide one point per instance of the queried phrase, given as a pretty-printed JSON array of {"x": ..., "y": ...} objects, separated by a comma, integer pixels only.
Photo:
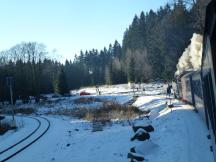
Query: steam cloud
[{"x": 192, "y": 56}]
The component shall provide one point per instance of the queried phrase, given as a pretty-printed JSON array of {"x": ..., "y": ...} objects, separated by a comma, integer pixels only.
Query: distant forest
[{"x": 150, "y": 50}]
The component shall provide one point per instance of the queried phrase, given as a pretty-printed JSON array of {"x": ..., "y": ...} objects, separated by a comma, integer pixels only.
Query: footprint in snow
[{"x": 68, "y": 144}]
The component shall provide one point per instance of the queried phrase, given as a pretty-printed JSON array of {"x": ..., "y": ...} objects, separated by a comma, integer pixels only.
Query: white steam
[{"x": 192, "y": 56}]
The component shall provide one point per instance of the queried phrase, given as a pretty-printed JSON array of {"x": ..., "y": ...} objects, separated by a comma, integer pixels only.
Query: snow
[
  {"x": 10, "y": 141},
  {"x": 146, "y": 148},
  {"x": 84, "y": 144},
  {"x": 150, "y": 102},
  {"x": 65, "y": 103},
  {"x": 150, "y": 89},
  {"x": 25, "y": 126},
  {"x": 106, "y": 89},
  {"x": 180, "y": 135},
  {"x": 117, "y": 93}
]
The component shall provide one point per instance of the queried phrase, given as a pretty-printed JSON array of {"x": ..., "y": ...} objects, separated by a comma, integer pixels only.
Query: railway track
[{"x": 16, "y": 148}]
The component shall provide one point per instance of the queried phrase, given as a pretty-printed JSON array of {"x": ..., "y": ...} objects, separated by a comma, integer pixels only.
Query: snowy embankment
[
  {"x": 179, "y": 136},
  {"x": 150, "y": 102}
]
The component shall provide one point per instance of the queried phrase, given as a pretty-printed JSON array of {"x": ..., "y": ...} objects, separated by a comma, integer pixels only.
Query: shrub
[
  {"x": 108, "y": 111},
  {"x": 87, "y": 100},
  {"x": 5, "y": 127},
  {"x": 112, "y": 110},
  {"x": 75, "y": 112},
  {"x": 24, "y": 110}
]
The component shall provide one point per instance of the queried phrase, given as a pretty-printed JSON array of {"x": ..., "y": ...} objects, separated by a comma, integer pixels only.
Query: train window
[
  {"x": 188, "y": 85},
  {"x": 197, "y": 88},
  {"x": 210, "y": 101}
]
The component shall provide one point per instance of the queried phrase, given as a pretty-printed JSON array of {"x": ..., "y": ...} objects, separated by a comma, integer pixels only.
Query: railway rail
[{"x": 16, "y": 148}]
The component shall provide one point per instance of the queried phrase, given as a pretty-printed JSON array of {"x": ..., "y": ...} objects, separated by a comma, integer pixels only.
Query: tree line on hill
[{"x": 150, "y": 50}]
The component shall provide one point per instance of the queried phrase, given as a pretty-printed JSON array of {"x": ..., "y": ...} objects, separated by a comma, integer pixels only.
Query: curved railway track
[{"x": 18, "y": 145}]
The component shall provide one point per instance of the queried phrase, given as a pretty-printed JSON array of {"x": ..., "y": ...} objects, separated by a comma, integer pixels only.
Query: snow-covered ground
[
  {"x": 24, "y": 127},
  {"x": 179, "y": 136},
  {"x": 117, "y": 93},
  {"x": 147, "y": 89},
  {"x": 150, "y": 102},
  {"x": 65, "y": 103}
]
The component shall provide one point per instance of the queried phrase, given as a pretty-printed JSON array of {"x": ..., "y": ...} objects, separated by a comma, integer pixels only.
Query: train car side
[
  {"x": 186, "y": 88},
  {"x": 209, "y": 71},
  {"x": 192, "y": 92},
  {"x": 199, "y": 88},
  {"x": 197, "y": 92}
]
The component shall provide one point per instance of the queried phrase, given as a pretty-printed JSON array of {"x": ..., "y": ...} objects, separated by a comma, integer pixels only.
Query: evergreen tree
[
  {"x": 117, "y": 51},
  {"x": 151, "y": 47},
  {"x": 62, "y": 87},
  {"x": 131, "y": 71},
  {"x": 109, "y": 74}
]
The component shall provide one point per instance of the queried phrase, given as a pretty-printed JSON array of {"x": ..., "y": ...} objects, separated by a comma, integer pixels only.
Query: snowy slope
[
  {"x": 150, "y": 102},
  {"x": 179, "y": 136}
]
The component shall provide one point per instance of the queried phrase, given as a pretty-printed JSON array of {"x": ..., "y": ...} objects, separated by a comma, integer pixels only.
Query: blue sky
[{"x": 68, "y": 25}]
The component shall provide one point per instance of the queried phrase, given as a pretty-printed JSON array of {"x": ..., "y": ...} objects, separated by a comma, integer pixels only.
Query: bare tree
[{"x": 143, "y": 69}]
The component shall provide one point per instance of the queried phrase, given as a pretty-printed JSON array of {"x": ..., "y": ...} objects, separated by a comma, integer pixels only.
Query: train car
[
  {"x": 209, "y": 69},
  {"x": 179, "y": 84},
  {"x": 199, "y": 87},
  {"x": 192, "y": 91},
  {"x": 197, "y": 94},
  {"x": 186, "y": 88}
]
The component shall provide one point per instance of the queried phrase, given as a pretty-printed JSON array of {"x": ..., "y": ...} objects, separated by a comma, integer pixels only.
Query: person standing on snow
[{"x": 169, "y": 90}]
